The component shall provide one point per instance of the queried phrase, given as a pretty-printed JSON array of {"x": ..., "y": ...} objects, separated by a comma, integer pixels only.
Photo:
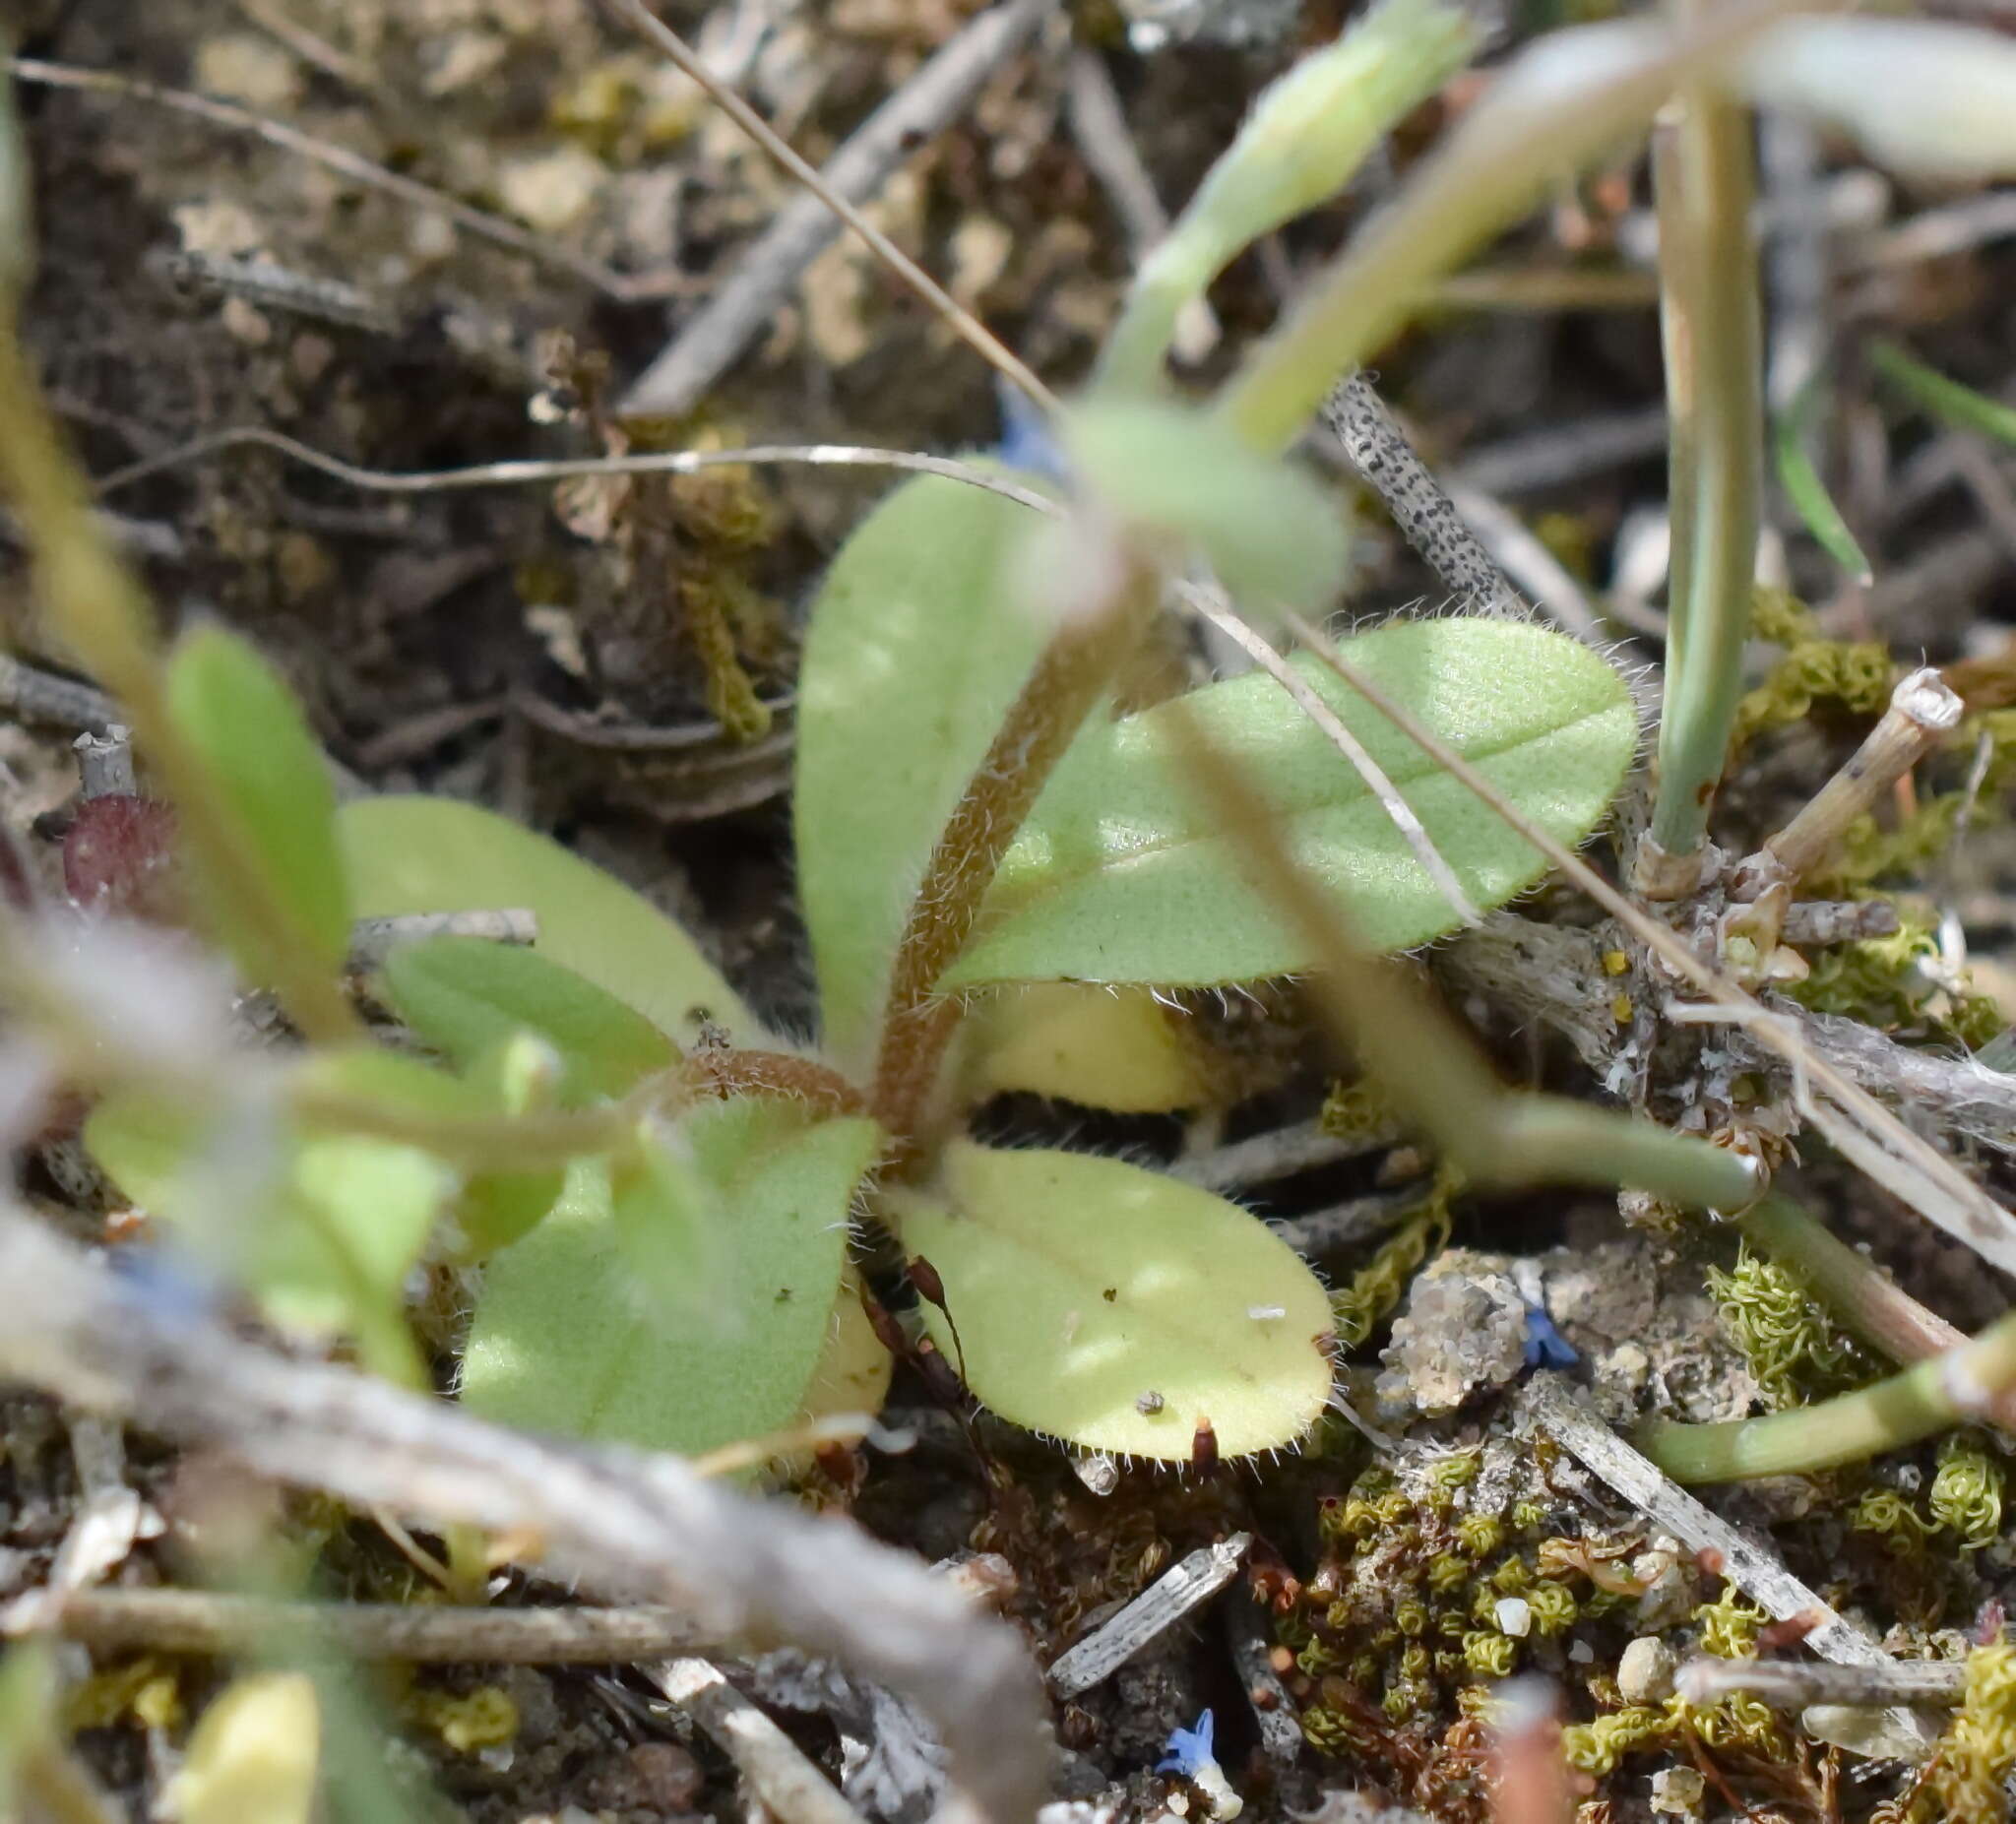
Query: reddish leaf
[{"x": 119, "y": 856}]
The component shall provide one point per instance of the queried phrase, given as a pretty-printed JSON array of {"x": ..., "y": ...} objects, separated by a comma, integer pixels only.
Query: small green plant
[{"x": 657, "y": 1193}]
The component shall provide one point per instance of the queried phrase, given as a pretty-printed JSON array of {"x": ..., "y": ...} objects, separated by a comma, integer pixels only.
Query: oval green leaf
[
  {"x": 268, "y": 777},
  {"x": 1121, "y": 875},
  {"x": 663, "y": 1210},
  {"x": 1085, "y": 1289},
  {"x": 565, "y": 1341},
  {"x": 914, "y": 651},
  {"x": 416, "y": 855},
  {"x": 466, "y": 995}
]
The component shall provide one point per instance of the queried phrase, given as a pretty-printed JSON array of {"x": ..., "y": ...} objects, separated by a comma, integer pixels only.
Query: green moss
[
  {"x": 1857, "y": 675},
  {"x": 1490, "y": 1655},
  {"x": 1554, "y": 1609},
  {"x": 1597, "y": 1748},
  {"x": 1887, "y": 1516},
  {"x": 485, "y": 1718},
  {"x": 1357, "y": 1110},
  {"x": 1965, "y": 1495},
  {"x": 1728, "y": 1625},
  {"x": 1979, "y": 1752},
  {"x": 1477, "y": 1536},
  {"x": 1792, "y": 1350},
  {"x": 1376, "y": 1288}
]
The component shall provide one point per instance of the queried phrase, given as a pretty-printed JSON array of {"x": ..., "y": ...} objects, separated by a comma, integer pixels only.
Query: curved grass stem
[
  {"x": 1954, "y": 1388},
  {"x": 1560, "y": 104},
  {"x": 1401, "y": 1035},
  {"x": 1304, "y": 138}
]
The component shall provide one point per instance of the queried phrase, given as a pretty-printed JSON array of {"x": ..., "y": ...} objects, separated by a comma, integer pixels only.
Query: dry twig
[
  {"x": 1753, "y": 1570},
  {"x": 208, "y": 1621},
  {"x": 732, "y": 318},
  {"x": 790, "y": 1788},
  {"x": 1187, "y": 1586}
]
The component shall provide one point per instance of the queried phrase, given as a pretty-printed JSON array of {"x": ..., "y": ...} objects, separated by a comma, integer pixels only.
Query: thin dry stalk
[
  {"x": 792, "y": 1789},
  {"x": 1204, "y": 603},
  {"x": 205, "y": 1621},
  {"x": 1922, "y": 712},
  {"x": 931, "y": 97},
  {"x": 532, "y": 473},
  {"x": 1792, "y": 1684}
]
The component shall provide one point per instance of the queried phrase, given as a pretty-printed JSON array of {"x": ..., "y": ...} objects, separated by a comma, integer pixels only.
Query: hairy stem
[
  {"x": 1708, "y": 277},
  {"x": 1955, "y": 1388},
  {"x": 736, "y": 1072},
  {"x": 1071, "y": 674}
]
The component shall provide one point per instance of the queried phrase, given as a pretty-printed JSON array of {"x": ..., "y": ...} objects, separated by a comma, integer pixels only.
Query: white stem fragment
[
  {"x": 791, "y": 1788},
  {"x": 1158, "y": 1608},
  {"x": 1757, "y": 1572}
]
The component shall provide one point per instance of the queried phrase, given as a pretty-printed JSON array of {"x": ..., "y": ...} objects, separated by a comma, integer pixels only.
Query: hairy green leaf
[
  {"x": 663, "y": 1210},
  {"x": 914, "y": 651},
  {"x": 416, "y": 855},
  {"x": 464, "y": 996},
  {"x": 1121, "y": 875},
  {"x": 267, "y": 774},
  {"x": 322, "y": 1230},
  {"x": 1119, "y": 1308},
  {"x": 565, "y": 1342}
]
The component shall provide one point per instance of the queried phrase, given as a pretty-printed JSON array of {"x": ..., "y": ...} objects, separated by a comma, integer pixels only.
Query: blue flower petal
[
  {"x": 1545, "y": 1346},
  {"x": 1189, "y": 1749}
]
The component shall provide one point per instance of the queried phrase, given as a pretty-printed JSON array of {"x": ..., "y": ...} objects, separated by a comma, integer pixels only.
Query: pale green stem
[
  {"x": 1676, "y": 350},
  {"x": 1562, "y": 104},
  {"x": 1707, "y": 274},
  {"x": 1955, "y": 1388}
]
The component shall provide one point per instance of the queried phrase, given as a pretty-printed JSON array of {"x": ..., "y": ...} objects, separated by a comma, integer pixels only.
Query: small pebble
[
  {"x": 1679, "y": 1792},
  {"x": 1645, "y": 1673},
  {"x": 1514, "y": 1615}
]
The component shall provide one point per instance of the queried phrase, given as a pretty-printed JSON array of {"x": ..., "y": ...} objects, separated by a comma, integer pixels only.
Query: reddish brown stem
[
  {"x": 726, "y": 1072},
  {"x": 1074, "y": 672}
]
